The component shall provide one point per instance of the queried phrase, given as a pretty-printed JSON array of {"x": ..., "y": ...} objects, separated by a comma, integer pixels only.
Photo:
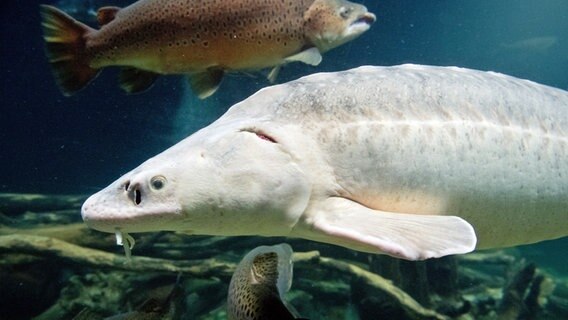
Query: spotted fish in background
[
  {"x": 259, "y": 283},
  {"x": 202, "y": 38}
]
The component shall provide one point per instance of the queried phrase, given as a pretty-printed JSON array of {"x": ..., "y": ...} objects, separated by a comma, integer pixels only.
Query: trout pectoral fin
[
  {"x": 403, "y": 235},
  {"x": 310, "y": 56},
  {"x": 106, "y": 15},
  {"x": 134, "y": 80},
  {"x": 204, "y": 84}
]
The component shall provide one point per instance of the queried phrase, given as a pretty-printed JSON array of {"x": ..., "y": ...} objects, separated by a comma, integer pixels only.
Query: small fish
[
  {"x": 259, "y": 284},
  {"x": 203, "y": 39}
]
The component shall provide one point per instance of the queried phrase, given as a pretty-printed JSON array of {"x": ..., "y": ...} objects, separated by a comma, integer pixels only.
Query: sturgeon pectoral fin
[
  {"x": 409, "y": 236},
  {"x": 134, "y": 80},
  {"x": 310, "y": 56},
  {"x": 204, "y": 84}
]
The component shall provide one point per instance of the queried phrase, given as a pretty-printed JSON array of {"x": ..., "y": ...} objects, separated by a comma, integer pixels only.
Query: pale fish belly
[{"x": 510, "y": 184}]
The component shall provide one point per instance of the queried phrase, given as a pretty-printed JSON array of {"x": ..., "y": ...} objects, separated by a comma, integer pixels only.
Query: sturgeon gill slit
[
  {"x": 265, "y": 137},
  {"x": 260, "y": 134}
]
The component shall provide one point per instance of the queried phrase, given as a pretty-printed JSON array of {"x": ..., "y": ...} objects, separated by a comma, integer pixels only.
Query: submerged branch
[
  {"x": 49, "y": 247},
  {"x": 413, "y": 309},
  {"x": 16, "y": 203}
]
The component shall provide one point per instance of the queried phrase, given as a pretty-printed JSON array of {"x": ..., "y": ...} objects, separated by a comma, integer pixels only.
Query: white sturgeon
[{"x": 412, "y": 161}]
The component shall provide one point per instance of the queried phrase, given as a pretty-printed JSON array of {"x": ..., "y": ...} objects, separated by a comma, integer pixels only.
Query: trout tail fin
[{"x": 65, "y": 48}]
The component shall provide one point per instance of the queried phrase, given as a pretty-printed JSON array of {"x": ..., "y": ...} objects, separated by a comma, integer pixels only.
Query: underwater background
[{"x": 59, "y": 146}]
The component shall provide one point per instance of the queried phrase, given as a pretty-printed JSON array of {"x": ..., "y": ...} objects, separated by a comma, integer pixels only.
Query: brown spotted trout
[
  {"x": 201, "y": 38},
  {"x": 259, "y": 284}
]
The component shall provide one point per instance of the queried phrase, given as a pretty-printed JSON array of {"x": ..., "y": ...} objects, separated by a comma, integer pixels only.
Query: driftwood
[
  {"x": 521, "y": 297},
  {"x": 15, "y": 203},
  {"x": 49, "y": 232},
  {"x": 413, "y": 309},
  {"x": 512, "y": 304},
  {"x": 498, "y": 257},
  {"x": 50, "y": 247},
  {"x": 75, "y": 232}
]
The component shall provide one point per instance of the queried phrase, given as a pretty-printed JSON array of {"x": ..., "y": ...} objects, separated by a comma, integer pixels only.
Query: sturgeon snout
[{"x": 132, "y": 205}]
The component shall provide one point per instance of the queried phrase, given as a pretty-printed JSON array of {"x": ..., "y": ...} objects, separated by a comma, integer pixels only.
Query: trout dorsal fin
[{"x": 106, "y": 15}]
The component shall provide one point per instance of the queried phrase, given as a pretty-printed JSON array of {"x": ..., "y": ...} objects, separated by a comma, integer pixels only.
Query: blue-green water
[{"x": 51, "y": 144}]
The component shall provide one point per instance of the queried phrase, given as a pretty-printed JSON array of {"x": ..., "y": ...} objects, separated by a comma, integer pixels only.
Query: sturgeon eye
[{"x": 158, "y": 182}]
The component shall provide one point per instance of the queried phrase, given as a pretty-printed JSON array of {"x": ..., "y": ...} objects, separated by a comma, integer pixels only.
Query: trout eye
[
  {"x": 157, "y": 182},
  {"x": 345, "y": 12}
]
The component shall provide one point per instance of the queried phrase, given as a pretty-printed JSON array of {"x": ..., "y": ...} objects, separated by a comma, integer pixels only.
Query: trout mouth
[
  {"x": 359, "y": 26},
  {"x": 366, "y": 19}
]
